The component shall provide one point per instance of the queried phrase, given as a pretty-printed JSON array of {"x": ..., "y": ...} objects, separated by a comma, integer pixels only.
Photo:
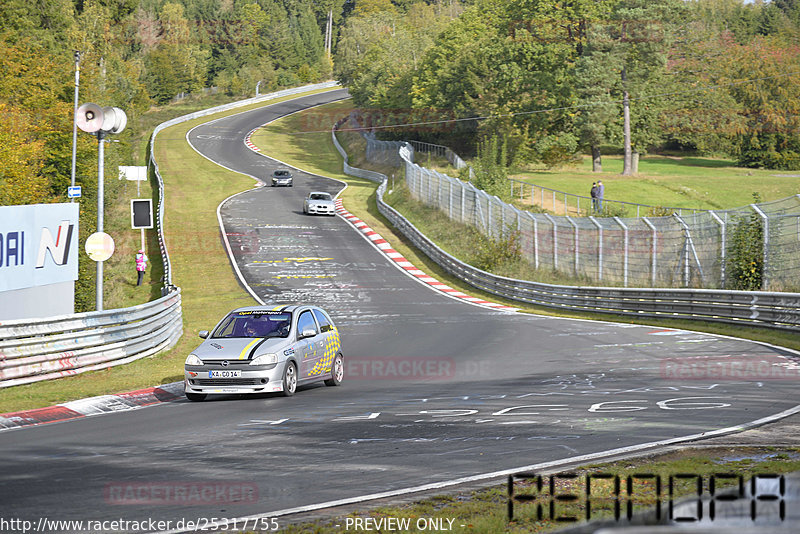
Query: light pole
[
  {"x": 75, "y": 119},
  {"x": 93, "y": 119}
]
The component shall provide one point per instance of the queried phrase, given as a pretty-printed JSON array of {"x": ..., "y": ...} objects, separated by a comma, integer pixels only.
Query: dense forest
[
  {"x": 553, "y": 78},
  {"x": 540, "y": 81}
]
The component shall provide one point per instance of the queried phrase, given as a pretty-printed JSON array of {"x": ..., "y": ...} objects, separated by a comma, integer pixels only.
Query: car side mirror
[
  {"x": 203, "y": 333},
  {"x": 308, "y": 332}
]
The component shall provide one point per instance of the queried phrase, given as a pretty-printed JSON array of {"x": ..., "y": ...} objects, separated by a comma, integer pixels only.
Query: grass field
[{"x": 704, "y": 183}]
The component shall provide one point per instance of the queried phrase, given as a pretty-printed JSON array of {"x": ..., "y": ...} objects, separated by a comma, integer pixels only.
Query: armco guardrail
[
  {"x": 32, "y": 350},
  {"x": 760, "y": 308}
]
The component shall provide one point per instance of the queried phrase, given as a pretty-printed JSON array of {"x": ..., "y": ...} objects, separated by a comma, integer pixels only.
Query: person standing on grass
[
  {"x": 141, "y": 266},
  {"x": 601, "y": 189},
  {"x": 594, "y": 196}
]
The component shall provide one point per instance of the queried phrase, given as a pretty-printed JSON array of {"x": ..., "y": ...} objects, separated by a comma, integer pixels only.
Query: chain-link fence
[{"x": 696, "y": 249}]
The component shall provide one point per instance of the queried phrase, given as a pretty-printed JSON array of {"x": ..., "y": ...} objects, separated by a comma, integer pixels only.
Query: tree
[
  {"x": 770, "y": 103},
  {"x": 22, "y": 155},
  {"x": 177, "y": 64}
]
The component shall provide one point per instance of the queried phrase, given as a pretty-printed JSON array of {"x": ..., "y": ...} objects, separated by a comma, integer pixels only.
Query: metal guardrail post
[
  {"x": 653, "y": 249},
  {"x": 430, "y": 186},
  {"x": 766, "y": 268},
  {"x": 479, "y": 211},
  {"x": 463, "y": 200},
  {"x": 625, "y": 254},
  {"x": 575, "y": 231},
  {"x": 450, "y": 199},
  {"x": 535, "y": 239},
  {"x": 599, "y": 247},
  {"x": 689, "y": 245},
  {"x": 489, "y": 216},
  {"x": 722, "y": 247},
  {"x": 555, "y": 240}
]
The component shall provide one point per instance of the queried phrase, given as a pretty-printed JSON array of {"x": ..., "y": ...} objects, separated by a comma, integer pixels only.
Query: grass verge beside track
[
  {"x": 201, "y": 268},
  {"x": 485, "y": 511}
]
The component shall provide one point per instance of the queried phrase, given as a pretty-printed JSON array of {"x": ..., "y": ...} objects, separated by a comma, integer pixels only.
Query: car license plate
[{"x": 224, "y": 374}]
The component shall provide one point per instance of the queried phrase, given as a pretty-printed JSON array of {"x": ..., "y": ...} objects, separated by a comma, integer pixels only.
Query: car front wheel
[
  {"x": 289, "y": 380},
  {"x": 337, "y": 371}
]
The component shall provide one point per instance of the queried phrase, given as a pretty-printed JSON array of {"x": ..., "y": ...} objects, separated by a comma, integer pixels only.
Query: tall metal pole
[
  {"x": 74, "y": 119},
  {"x": 100, "y": 192}
]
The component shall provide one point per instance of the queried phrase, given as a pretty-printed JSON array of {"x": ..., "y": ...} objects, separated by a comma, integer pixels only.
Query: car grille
[{"x": 228, "y": 382}]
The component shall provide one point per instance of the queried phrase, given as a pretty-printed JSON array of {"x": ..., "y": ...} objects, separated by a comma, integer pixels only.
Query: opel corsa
[{"x": 263, "y": 349}]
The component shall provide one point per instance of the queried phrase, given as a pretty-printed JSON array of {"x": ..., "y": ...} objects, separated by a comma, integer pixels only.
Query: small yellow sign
[{"x": 99, "y": 246}]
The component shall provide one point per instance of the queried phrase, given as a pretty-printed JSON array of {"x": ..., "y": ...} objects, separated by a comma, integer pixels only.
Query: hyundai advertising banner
[{"x": 38, "y": 245}]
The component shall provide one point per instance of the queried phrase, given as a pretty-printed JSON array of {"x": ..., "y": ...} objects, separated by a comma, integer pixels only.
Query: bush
[
  {"x": 491, "y": 167},
  {"x": 658, "y": 211},
  {"x": 493, "y": 255},
  {"x": 745, "y": 262}
]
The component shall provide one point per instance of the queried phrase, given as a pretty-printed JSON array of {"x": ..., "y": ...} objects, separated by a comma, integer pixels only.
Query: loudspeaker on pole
[
  {"x": 114, "y": 120},
  {"x": 90, "y": 118}
]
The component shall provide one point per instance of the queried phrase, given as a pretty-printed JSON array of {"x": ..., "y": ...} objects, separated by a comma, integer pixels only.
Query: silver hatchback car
[{"x": 262, "y": 349}]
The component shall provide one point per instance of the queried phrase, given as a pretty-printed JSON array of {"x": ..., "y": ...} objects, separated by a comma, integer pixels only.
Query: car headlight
[
  {"x": 192, "y": 359},
  {"x": 265, "y": 359}
]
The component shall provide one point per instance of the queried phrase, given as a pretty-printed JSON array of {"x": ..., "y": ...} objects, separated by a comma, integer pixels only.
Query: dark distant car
[
  {"x": 319, "y": 203},
  {"x": 282, "y": 177}
]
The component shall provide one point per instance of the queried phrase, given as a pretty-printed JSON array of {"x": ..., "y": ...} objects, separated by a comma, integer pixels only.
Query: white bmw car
[
  {"x": 262, "y": 349},
  {"x": 319, "y": 203}
]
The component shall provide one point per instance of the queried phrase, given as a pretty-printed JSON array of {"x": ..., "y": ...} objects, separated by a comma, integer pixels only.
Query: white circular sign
[{"x": 99, "y": 246}]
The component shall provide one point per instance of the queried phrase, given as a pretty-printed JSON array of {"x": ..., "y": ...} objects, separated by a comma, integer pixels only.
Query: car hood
[
  {"x": 321, "y": 202},
  {"x": 239, "y": 348}
]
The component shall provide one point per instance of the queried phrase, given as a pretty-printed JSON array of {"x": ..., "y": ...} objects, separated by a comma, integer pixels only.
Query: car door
[
  {"x": 308, "y": 350},
  {"x": 330, "y": 341}
]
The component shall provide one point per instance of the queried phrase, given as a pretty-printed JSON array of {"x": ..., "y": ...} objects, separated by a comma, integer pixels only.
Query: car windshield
[
  {"x": 320, "y": 196},
  {"x": 281, "y": 173},
  {"x": 254, "y": 324}
]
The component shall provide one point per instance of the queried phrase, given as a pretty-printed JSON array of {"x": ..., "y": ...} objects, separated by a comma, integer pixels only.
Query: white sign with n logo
[
  {"x": 58, "y": 247},
  {"x": 38, "y": 245}
]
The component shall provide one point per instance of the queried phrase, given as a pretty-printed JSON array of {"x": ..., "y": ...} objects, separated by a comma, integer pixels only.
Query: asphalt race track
[{"x": 435, "y": 389}]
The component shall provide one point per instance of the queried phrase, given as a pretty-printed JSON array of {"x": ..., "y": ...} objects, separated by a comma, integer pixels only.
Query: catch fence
[{"x": 689, "y": 248}]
